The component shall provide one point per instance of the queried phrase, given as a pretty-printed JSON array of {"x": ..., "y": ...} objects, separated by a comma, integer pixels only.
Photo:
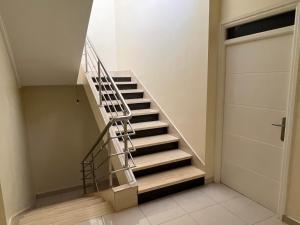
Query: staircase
[
  {"x": 68, "y": 213},
  {"x": 161, "y": 167},
  {"x": 161, "y": 160}
]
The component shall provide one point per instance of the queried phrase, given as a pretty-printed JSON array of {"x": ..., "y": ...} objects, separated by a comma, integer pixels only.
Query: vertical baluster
[
  {"x": 109, "y": 166},
  {"x": 83, "y": 178},
  {"x": 125, "y": 143},
  {"x": 93, "y": 171}
]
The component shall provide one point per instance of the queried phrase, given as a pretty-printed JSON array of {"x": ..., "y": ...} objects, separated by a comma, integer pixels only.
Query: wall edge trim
[{"x": 9, "y": 51}]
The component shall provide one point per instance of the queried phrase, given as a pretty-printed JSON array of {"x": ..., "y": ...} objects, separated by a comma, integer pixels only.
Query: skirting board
[
  {"x": 60, "y": 191},
  {"x": 289, "y": 220}
]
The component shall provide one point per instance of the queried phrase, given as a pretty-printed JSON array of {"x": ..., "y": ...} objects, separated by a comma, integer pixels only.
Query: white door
[{"x": 257, "y": 77}]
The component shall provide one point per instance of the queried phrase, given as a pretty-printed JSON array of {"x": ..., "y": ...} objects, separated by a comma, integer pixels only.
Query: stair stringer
[
  {"x": 125, "y": 195},
  {"x": 173, "y": 130}
]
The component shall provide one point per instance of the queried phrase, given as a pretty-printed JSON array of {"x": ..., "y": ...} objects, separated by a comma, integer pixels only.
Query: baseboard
[
  {"x": 14, "y": 220},
  {"x": 209, "y": 180},
  {"x": 289, "y": 220},
  {"x": 59, "y": 191},
  {"x": 165, "y": 115}
]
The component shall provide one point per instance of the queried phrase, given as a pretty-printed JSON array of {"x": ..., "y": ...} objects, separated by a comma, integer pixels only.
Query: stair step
[
  {"x": 124, "y": 91},
  {"x": 127, "y": 94},
  {"x": 144, "y": 126},
  {"x": 143, "y": 115},
  {"x": 141, "y": 112},
  {"x": 119, "y": 78},
  {"x": 168, "y": 178},
  {"x": 153, "y": 141},
  {"x": 145, "y": 129},
  {"x": 120, "y": 85},
  {"x": 128, "y": 101},
  {"x": 133, "y": 104},
  {"x": 115, "y": 78},
  {"x": 160, "y": 158}
]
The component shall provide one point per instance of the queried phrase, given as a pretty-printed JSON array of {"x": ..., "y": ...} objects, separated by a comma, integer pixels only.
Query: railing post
[
  {"x": 110, "y": 168},
  {"x": 86, "y": 57},
  {"x": 126, "y": 144},
  {"x": 83, "y": 178},
  {"x": 93, "y": 171},
  {"x": 100, "y": 81}
]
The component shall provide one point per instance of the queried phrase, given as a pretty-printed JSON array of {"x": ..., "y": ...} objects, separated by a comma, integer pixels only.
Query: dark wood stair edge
[
  {"x": 163, "y": 167},
  {"x": 161, "y": 192}
]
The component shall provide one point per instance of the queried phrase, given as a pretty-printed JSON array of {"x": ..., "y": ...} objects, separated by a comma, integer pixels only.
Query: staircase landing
[{"x": 67, "y": 213}]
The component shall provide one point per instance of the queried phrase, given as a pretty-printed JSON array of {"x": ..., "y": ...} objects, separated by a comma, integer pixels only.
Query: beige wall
[
  {"x": 166, "y": 44},
  {"x": 214, "y": 25},
  {"x": 2, "y": 210},
  {"x": 47, "y": 38},
  {"x": 14, "y": 167},
  {"x": 236, "y": 8},
  {"x": 60, "y": 132}
]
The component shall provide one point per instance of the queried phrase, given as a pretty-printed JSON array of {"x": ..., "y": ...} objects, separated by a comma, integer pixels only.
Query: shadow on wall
[{"x": 2, "y": 211}]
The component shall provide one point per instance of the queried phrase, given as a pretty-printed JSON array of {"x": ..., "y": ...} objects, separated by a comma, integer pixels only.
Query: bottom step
[{"x": 164, "y": 183}]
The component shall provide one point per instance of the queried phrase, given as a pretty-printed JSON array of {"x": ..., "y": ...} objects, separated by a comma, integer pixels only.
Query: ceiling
[{"x": 46, "y": 38}]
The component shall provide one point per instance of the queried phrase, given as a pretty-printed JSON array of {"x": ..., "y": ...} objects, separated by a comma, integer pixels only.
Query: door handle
[{"x": 282, "y": 125}]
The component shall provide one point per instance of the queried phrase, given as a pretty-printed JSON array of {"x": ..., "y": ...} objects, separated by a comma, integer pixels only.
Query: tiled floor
[{"x": 212, "y": 204}]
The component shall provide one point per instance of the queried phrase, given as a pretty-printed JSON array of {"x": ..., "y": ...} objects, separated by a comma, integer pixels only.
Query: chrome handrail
[
  {"x": 116, "y": 120},
  {"x": 127, "y": 110}
]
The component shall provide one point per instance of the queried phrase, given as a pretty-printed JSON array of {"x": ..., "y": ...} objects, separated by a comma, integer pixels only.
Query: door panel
[
  {"x": 254, "y": 185},
  {"x": 257, "y": 77},
  {"x": 260, "y": 56},
  {"x": 253, "y": 155},
  {"x": 241, "y": 87}
]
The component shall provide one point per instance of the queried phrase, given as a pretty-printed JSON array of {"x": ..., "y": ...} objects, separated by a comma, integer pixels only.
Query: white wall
[
  {"x": 101, "y": 31},
  {"x": 60, "y": 133},
  {"x": 15, "y": 176},
  {"x": 166, "y": 44},
  {"x": 235, "y": 8}
]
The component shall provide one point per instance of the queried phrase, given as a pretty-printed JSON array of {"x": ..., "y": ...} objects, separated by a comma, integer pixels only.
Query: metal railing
[{"x": 99, "y": 158}]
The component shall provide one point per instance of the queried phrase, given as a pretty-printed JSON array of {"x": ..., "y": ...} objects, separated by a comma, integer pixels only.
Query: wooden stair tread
[
  {"x": 128, "y": 101},
  {"x": 70, "y": 216},
  {"x": 160, "y": 158},
  {"x": 124, "y": 91},
  {"x": 121, "y": 82},
  {"x": 153, "y": 140},
  {"x": 141, "y": 112},
  {"x": 143, "y": 126},
  {"x": 168, "y": 178}
]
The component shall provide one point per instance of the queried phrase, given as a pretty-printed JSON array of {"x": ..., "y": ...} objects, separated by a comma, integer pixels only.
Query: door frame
[{"x": 290, "y": 5}]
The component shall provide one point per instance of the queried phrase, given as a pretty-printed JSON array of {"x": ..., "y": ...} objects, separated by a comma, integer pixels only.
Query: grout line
[
  {"x": 263, "y": 220},
  {"x": 141, "y": 211},
  {"x": 234, "y": 214}
]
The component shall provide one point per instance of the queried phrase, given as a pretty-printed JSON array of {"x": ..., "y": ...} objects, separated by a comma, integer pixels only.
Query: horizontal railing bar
[{"x": 107, "y": 90}]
